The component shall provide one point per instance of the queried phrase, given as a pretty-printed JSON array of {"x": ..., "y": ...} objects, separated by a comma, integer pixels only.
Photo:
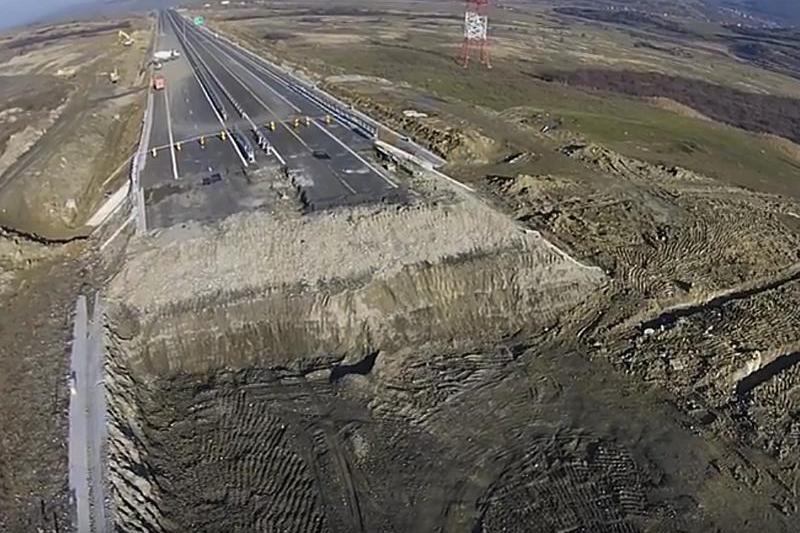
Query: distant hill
[
  {"x": 19, "y": 13},
  {"x": 787, "y": 11}
]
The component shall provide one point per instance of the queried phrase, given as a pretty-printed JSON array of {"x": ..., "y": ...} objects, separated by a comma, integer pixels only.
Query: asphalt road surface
[
  {"x": 214, "y": 90},
  {"x": 87, "y": 412}
]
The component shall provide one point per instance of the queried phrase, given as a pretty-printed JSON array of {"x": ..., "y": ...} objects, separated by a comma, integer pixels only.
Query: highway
[{"x": 216, "y": 94}]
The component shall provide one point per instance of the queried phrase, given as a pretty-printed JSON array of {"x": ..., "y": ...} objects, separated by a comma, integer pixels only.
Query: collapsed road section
[
  {"x": 229, "y": 135},
  {"x": 232, "y": 367}
]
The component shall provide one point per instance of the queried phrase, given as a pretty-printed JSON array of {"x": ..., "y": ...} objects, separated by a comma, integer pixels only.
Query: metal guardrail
[
  {"x": 341, "y": 113},
  {"x": 339, "y": 110},
  {"x": 137, "y": 165},
  {"x": 357, "y": 120}
]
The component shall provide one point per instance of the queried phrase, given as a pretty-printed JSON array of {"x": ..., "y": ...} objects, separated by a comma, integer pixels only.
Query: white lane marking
[
  {"x": 269, "y": 109},
  {"x": 216, "y": 113},
  {"x": 268, "y": 86},
  {"x": 117, "y": 232},
  {"x": 271, "y": 149},
  {"x": 279, "y": 95},
  {"x": 290, "y": 130},
  {"x": 332, "y": 136},
  {"x": 171, "y": 138}
]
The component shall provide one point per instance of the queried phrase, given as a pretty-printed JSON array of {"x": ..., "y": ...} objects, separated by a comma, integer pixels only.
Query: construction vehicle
[
  {"x": 166, "y": 55},
  {"x": 125, "y": 38},
  {"x": 159, "y": 83},
  {"x": 114, "y": 75}
]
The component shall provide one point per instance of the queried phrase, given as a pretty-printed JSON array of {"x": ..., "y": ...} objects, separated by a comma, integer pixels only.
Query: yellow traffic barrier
[
  {"x": 223, "y": 135},
  {"x": 327, "y": 119},
  {"x": 296, "y": 123},
  {"x": 308, "y": 121},
  {"x": 154, "y": 152},
  {"x": 272, "y": 125},
  {"x": 203, "y": 141}
]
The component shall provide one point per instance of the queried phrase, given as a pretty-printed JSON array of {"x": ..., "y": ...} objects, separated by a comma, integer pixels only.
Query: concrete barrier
[{"x": 111, "y": 205}]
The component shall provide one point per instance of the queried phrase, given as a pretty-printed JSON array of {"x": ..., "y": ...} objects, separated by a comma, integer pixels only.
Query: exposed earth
[{"x": 600, "y": 335}]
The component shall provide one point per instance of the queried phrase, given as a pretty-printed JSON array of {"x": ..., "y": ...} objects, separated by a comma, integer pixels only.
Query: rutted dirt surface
[
  {"x": 451, "y": 277},
  {"x": 705, "y": 303},
  {"x": 426, "y": 388},
  {"x": 38, "y": 290},
  {"x": 431, "y": 439}
]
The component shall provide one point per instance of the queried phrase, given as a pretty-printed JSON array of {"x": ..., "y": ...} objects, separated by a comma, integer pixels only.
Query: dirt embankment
[
  {"x": 457, "y": 145},
  {"x": 706, "y": 280},
  {"x": 313, "y": 309},
  {"x": 431, "y": 384},
  {"x": 38, "y": 285},
  {"x": 67, "y": 129},
  {"x": 62, "y": 127}
]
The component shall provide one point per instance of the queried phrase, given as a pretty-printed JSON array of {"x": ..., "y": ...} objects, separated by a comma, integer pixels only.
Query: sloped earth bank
[
  {"x": 38, "y": 287},
  {"x": 704, "y": 301},
  {"x": 427, "y": 386}
]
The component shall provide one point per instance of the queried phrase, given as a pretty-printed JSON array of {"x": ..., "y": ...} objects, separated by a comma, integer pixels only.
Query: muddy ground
[
  {"x": 441, "y": 366},
  {"x": 418, "y": 389},
  {"x": 65, "y": 132},
  {"x": 686, "y": 417}
]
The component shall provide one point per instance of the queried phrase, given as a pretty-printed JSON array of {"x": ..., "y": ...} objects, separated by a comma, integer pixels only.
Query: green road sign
[{"x": 199, "y": 21}]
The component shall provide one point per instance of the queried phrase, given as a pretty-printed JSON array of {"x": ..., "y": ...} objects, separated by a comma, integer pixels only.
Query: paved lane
[
  {"x": 323, "y": 158},
  {"x": 190, "y": 121}
]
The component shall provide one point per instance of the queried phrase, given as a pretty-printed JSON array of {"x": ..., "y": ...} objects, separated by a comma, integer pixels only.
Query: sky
[{"x": 17, "y": 12}]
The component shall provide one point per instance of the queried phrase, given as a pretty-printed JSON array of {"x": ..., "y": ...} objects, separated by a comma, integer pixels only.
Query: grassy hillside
[{"x": 781, "y": 10}]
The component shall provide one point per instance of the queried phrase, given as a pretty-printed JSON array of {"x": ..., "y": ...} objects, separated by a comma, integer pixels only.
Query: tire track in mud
[
  {"x": 669, "y": 317},
  {"x": 245, "y": 472},
  {"x": 342, "y": 465},
  {"x": 563, "y": 484},
  {"x": 255, "y": 453},
  {"x": 505, "y": 459}
]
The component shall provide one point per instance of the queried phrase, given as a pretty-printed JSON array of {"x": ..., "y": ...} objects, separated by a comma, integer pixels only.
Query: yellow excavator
[{"x": 124, "y": 38}]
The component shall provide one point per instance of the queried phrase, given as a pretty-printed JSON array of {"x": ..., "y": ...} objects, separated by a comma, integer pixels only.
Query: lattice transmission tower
[{"x": 476, "y": 32}]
